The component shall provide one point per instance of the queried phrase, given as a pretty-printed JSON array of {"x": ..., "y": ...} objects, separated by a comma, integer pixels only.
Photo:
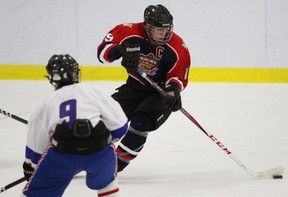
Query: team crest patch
[{"x": 148, "y": 63}]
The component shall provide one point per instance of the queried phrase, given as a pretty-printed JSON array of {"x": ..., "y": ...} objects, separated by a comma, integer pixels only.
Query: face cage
[
  {"x": 76, "y": 78},
  {"x": 149, "y": 28}
]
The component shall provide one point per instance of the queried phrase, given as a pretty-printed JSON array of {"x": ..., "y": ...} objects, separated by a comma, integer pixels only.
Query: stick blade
[{"x": 267, "y": 174}]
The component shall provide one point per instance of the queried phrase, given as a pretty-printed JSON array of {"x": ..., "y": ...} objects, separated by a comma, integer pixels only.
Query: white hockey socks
[{"x": 111, "y": 190}]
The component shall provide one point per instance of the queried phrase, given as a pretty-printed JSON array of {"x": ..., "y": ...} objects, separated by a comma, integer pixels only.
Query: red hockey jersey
[{"x": 167, "y": 63}]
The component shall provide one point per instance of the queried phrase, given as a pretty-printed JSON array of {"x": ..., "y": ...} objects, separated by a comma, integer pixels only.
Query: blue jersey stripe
[
  {"x": 118, "y": 133},
  {"x": 33, "y": 156}
]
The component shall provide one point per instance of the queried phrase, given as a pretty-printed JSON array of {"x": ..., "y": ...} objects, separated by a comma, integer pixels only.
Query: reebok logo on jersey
[{"x": 134, "y": 49}]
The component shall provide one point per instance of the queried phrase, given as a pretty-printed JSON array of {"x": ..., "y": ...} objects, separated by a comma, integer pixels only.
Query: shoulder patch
[{"x": 128, "y": 25}]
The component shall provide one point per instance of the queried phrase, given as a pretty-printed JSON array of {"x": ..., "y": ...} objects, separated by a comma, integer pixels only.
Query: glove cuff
[{"x": 119, "y": 50}]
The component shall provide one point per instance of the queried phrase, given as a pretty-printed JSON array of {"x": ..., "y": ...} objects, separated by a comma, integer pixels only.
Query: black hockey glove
[
  {"x": 130, "y": 56},
  {"x": 27, "y": 170},
  {"x": 173, "y": 99}
]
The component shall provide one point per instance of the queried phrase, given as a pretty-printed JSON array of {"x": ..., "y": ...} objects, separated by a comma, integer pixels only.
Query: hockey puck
[{"x": 277, "y": 176}]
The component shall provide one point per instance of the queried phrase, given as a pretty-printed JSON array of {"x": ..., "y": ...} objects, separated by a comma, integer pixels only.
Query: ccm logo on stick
[{"x": 220, "y": 144}]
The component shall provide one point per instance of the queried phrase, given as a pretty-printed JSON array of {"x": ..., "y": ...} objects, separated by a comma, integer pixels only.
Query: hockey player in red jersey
[{"x": 153, "y": 47}]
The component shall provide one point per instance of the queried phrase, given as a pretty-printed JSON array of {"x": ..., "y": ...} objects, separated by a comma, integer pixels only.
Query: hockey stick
[
  {"x": 3, "y": 189},
  {"x": 13, "y": 116},
  {"x": 271, "y": 173}
]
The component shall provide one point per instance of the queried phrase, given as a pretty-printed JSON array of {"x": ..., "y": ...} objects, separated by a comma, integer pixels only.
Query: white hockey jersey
[{"x": 77, "y": 101}]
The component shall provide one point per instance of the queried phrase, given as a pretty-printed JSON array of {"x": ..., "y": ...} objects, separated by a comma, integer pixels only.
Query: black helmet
[
  {"x": 62, "y": 70},
  {"x": 158, "y": 16}
]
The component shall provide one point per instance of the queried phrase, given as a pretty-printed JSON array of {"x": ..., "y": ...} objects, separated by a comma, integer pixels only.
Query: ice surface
[{"x": 251, "y": 120}]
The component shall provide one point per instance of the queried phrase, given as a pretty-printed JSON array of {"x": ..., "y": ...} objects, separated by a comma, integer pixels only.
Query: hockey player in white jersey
[{"x": 73, "y": 130}]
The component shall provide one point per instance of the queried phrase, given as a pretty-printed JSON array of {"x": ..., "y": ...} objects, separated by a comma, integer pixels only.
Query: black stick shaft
[
  {"x": 3, "y": 189},
  {"x": 163, "y": 93},
  {"x": 13, "y": 116},
  {"x": 23, "y": 178}
]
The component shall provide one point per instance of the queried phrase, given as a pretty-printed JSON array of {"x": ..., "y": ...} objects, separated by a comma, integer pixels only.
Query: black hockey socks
[{"x": 134, "y": 140}]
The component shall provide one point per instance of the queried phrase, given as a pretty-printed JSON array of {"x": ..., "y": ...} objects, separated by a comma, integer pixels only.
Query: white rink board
[{"x": 223, "y": 33}]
